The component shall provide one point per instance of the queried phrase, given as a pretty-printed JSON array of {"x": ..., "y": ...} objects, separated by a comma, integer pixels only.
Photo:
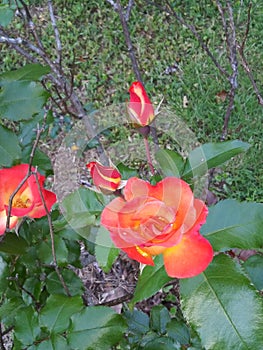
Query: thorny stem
[
  {"x": 51, "y": 231},
  {"x": 34, "y": 173},
  {"x": 148, "y": 154}
]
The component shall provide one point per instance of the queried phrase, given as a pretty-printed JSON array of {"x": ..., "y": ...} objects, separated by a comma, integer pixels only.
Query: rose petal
[
  {"x": 110, "y": 214},
  {"x": 188, "y": 258},
  {"x": 39, "y": 210},
  {"x": 139, "y": 255},
  {"x": 3, "y": 217},
  {"x": 136, "y": 188}
]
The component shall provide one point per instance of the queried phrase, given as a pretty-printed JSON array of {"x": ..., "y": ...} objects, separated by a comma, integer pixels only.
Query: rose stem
[{"x": 146, "y": 144}]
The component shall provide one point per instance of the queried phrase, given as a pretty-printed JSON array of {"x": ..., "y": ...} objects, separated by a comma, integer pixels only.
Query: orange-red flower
[
  {"x": 140, "y": 107},
  {"x": 27, "y": 201},
  {"x": 161, "y": 219},
  {"x": 107, "y": 179}
]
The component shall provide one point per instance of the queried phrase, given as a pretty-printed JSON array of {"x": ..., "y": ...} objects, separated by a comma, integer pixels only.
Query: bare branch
[
  {"x": 242, "y": 46},
  {"x": 192, "y": 28},
  {"x": 231, "y": 43},
  {"x": 127, "y": 36},
  {"x": 244, "y": 62},
  {"x": 128, "y": 10},
  {"x": 56, "y": 32},
  {"x": 11, "y": 41},
  {"x": 113, "y": 4},
  {"x": 30, "y": 24}
]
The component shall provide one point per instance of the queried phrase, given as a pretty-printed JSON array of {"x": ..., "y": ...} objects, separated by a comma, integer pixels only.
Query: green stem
[{"x": 147, "y": 148}]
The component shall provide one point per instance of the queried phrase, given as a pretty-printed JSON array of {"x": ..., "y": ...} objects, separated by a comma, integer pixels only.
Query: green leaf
[
  {"x": 4, "y": 274},
  {"x": 126, "y": 172},
  {"x": 55, "y": 315},
  {"x": 161, "y": 343},
  {"x": 10, "y": 151},
  {"x": 40, "y": 160},
  {"x": 105, "y": 251},
  {"x": 178, "y": 331},
  {"x": 223, "y": 307},
  {"x": 254, "y": 269},
  {"x": 138, "y": 321},
  {"x": 73, "y": 252},
  {"x": 159, "y": 318},
  {"x": 80, "y": 208},
  {"x": 96, "y": 327},
  {"x": 83, "y": 200},
  {"x": 27, "y": 328},
  {"x": 56, "y": 342},
  {"x": 73, "y": 282},
  {"x": 6, "y": 15},
  {"x": 171, "y": 163},
  {"x": 12, "y": 244},
  {"x": 9, "y": 309},
  {"x": 30, "y": 72},
  {"x": 45, "y": 251},
  {"x": 34, "y": 286},
  {"x": 145, "y": 287},
  {"x": 20, "y": 100},
  {"x": 211, "y": 155},
  {"x": 231, "y": 224}
]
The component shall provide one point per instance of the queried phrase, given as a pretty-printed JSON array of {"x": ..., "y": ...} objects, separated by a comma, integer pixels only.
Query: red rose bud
[
  {"x": 140, "y": 107},
  {"x": 107, "y": 179}
]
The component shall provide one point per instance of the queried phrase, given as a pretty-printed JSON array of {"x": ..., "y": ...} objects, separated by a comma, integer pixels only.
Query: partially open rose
[
  {"x": 140, "y": 107},
  {"x": 27, "y": 201},
  {"x": 106, "y": 179},
  {"x": 161, "y": 219}
]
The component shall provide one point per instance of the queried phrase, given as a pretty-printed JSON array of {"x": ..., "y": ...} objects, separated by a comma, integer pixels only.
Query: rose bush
[
  {"x": 140, "y": 108},
  {"x": 160, "y": 219},
  {"x": 27, "y": 201}
]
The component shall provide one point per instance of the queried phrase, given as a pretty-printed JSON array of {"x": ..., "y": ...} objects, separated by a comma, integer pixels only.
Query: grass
[{"x": 94, "y": 48}]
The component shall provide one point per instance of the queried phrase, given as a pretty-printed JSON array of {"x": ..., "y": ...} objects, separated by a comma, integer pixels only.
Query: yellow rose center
[{"x": 22, "y": 203}]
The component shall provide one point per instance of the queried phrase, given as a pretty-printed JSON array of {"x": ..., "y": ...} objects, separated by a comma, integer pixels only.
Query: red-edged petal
[
  {"x": 107, "y": 178},
  {"x": 188, "y": 258},
  {"x": 10, "y": 178},
  {"x": 38, "y": 209},
  {"x": 138, "y": 254},
  {"x": 140, "y": 107}
]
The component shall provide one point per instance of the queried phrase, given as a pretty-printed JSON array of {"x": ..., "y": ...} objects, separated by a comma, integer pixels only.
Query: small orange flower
[
  {"x": 140, "y": 107},
  {"x": 161, "y": 219},
  {"x": 107, "y": 179},
  {"x": 27, "y": 202}
]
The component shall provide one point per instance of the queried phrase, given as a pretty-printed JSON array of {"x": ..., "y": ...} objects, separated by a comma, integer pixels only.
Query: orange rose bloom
[
  {"x": 140, "y": 107},
  {"x": 27, "y": 201},
  {"x": 161, "y": 219}
]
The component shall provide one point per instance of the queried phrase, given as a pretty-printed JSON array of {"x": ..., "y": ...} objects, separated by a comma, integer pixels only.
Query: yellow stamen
[{"x": 19, "y": 203}]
